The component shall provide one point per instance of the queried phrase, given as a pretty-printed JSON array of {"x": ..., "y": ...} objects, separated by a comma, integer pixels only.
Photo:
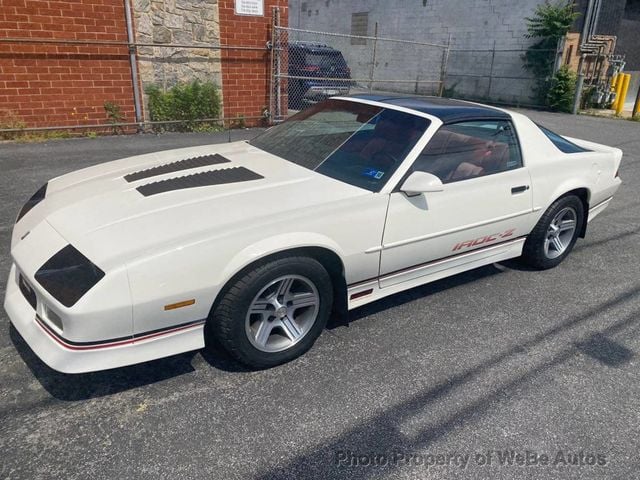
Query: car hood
[{"x": 121, "y": 211}]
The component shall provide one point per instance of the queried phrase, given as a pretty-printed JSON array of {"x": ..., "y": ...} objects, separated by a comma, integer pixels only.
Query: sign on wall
[{"x": 250, "y": 7}]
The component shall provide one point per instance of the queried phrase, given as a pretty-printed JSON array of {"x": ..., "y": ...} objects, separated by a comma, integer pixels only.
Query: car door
[{"x": 485, "y": 200}]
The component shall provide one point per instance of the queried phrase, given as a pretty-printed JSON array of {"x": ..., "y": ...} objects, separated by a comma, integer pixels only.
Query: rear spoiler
[{"x": 597, "y": 147}]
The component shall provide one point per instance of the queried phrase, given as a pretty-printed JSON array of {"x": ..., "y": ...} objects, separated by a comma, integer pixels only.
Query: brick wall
[
  {"x": 246, "y": 74},
  {"x": 46, "y": 85}
]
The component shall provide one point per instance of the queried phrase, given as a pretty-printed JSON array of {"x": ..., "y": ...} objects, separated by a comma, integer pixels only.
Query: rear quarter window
[{"x": 562, "y": 143}]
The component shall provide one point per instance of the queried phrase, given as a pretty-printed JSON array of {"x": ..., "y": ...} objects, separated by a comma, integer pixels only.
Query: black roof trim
[
  {"x": 186, "y": 164},
  {"x": 202, "y": 179},
  {"x": 446, "y": 109}
]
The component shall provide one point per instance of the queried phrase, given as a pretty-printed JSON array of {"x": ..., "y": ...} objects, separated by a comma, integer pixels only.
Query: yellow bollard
[
  {"x": 623, "y": 94},
  {"x": 618, "y": 91},
  {"x": 619, "y": 85},
  {"x": 614, "y": 81}
]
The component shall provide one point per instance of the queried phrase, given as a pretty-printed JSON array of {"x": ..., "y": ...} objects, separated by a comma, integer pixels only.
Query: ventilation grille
[
  {"x": 202, "y": 179},
  {"x": 178, "y": 166}
]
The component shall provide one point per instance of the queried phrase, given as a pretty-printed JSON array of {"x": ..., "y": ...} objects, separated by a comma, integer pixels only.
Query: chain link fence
[
  {"x": 494, "y": 76},
  {"x": 302, "y": 67},
  {"x": 309, "y": 66}
]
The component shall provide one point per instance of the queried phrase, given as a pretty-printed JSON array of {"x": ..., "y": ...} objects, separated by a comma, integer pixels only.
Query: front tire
[
  {"x": 275, "y": 312},
  {"x": 555, "y": 234}
]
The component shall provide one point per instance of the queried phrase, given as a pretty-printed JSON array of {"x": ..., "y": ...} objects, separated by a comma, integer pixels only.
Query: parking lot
[{"x": 449, "y": 380}]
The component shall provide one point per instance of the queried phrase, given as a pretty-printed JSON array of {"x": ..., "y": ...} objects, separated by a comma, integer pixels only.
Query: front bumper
[{"x": 70, "y": 357}]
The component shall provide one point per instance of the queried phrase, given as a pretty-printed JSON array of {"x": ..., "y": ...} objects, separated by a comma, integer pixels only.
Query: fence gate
[{"x": 309, "y": 66}]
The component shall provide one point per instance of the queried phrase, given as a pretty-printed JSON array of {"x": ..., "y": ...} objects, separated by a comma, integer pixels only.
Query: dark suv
[{"x": 309, "y": 65}]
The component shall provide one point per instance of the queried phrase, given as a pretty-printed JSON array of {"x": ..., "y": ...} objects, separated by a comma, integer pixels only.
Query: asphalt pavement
[{"x": 500, "y": 372}]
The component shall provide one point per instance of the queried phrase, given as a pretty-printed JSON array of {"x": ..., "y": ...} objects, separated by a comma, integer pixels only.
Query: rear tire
[
  {"x": 275, "y": 312},
  {"x": 555, "y": 234}
]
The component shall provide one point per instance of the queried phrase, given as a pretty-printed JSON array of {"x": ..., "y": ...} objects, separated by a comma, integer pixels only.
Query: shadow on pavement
[
  {"x": 414, "y": 294},
  {"x": 382, "y": 433},
  {"x": 97, "y": 384}
]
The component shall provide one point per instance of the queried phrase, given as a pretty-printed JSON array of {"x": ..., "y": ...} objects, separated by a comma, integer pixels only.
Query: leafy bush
[
  {"x": 550, "y": 23},
  {"x": 562, "y": 90},
  {"x": 186, "y": 102}
]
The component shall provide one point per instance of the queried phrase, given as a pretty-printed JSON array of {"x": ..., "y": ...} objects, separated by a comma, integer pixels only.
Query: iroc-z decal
[{"x": 482, "y": 240}]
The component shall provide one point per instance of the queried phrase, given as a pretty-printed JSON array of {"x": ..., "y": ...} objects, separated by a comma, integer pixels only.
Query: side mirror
[{"x": 421, "y": 182}]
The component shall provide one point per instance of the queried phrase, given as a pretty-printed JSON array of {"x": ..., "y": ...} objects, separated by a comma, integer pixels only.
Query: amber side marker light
[{"x": 185, "y": 303}]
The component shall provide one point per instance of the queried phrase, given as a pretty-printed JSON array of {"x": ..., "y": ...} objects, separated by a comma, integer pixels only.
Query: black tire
[
  {"x": 533, "y": 253},
  {"x": 228, "y": 320}
]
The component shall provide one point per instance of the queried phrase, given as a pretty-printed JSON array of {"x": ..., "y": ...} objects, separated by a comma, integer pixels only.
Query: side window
[
  {"x": 562, "y": 143},
  {"x": 470, "y": 149}
]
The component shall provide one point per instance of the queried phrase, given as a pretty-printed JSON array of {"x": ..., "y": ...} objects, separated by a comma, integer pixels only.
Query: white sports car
[{"x": 255, "y": 243}]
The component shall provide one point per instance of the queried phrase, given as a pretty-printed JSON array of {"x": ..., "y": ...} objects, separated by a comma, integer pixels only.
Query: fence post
[
  {"x": 493, "y": 58},
  {"x": 559, "y": 52},
  {"x": 579, "y": 84},
  {"x": 443, "y": 69},
  {"x": 373, "y": 59},
  {"x": 272, "y": 85},
  {"x": 636, "y": 106},
  {"x": 137, "y": 103},
  {"x": 277, "y": 114}
]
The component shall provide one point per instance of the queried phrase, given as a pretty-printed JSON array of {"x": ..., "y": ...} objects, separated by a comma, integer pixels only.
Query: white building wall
[{"x": 471, "y": 24}]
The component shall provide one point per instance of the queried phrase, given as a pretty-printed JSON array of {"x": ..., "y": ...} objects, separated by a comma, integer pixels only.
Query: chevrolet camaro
[{"x": 255, "y": 244}]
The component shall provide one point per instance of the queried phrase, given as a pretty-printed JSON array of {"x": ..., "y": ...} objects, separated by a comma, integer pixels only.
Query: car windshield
[
  {"x": 353, "y": 142},
  {"x": 325, "y": 61}
]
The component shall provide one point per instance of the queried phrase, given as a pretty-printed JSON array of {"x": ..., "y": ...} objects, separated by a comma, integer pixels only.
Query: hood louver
[
  {"x": 186, "y": 164},
  {"x": 202, "y": 179}
]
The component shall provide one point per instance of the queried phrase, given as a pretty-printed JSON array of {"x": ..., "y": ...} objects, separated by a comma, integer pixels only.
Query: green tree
[{"x": 550, "y": 22}]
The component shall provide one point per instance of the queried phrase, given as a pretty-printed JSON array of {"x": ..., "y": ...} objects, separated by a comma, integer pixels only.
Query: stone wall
[{"x": 186, "y": 22}]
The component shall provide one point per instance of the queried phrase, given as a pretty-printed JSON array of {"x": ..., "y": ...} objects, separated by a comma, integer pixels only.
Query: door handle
[{"x": 519, "y": 189}]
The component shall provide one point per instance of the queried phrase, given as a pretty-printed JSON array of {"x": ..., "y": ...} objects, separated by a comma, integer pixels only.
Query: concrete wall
[
  {"x": 629, "y": 35},
  {"x": 472, "y": 24}
]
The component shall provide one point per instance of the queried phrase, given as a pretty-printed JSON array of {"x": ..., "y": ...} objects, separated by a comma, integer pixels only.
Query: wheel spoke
[
  {"x": 260, "y": 307},
  {"x": 567, "y": 225},
  {"x": 291, "y": 328},
  {"x": 264, "y": 330},
  {"x": 547, "y": 243},
  {"x": 557, "y": 244},
  {"x": 300, "y": 300},
  {"x": 285, "y": 287}
]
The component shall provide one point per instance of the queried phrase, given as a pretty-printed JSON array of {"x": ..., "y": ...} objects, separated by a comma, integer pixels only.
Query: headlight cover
[
  {"x": 35, "y": 199},
  {"x": 68, "y": 275}
]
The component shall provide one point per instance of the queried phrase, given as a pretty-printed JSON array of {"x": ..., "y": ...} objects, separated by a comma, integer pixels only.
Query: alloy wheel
[
  {"x": 282, "y": 313},
  {"x": 560, "y": 233}
]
